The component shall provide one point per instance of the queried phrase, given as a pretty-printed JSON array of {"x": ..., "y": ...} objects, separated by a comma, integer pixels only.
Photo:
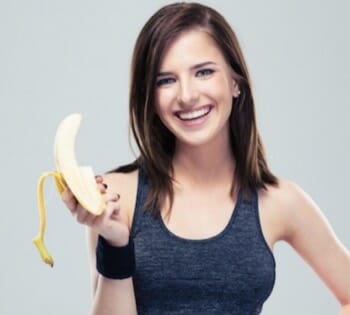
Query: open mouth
[{"x": 195, "y": 114}]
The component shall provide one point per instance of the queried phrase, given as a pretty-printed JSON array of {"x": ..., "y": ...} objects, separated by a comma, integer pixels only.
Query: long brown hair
[{"x": 155, "y": 142}]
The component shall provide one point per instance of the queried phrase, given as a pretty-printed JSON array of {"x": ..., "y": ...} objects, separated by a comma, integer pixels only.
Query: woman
[{"x": 199, "y": 211}]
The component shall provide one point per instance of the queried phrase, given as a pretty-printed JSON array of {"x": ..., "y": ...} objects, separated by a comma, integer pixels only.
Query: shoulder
[
  {"x": 286, "y": 194},
  {"x": 289, "y": 205},
  {"x": 121, "y": 180},
  {"x": 298, "y": 214},
  {"x": 308, "y": 231},
  {"x": 125, "y": 184}
]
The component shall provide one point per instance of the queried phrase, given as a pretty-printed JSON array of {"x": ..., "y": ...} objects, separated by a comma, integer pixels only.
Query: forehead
[{"x": 189, "y": 48}]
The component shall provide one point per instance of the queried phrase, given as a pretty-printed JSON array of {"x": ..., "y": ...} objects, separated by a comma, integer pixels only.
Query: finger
[
  {"x": 113, "y": 210},
  {"x": 90, "y": 219},
  {"x": 96, "y": 220},
  {"x": 69, "y": 199},
  {"x": 99, "y": 220},
  {"x": 112, "y": 197},
  {"x": 112, "y": 206},
  {"x": 102, "y": 187},
  {"x": 99, "y": 178},
  {"x": 82, "y": 216},
  {"x": 115, "y": 214}
]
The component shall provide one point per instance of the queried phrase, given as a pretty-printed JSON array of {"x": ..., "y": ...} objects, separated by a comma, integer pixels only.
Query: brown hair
[{"x": 155, "y": 142}]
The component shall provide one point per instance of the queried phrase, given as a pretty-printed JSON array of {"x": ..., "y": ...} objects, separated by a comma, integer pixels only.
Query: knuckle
[
  {"x": 115, "y": 197},
  {"x": 72, "y": 209},
  {"x": 98, "y": 178},
  {"x": 81, "y": 217},
  {"x": 88, "y": 222},
  {"x": 72, "y": 206},
  {"x": 80, "y": 220},
  {"x": 64, "y": 196}
]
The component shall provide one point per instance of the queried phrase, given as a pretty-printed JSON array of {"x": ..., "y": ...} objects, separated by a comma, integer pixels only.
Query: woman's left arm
[
  {"x": 310, "y": 234},
  {"x": 345, "y": 310}
]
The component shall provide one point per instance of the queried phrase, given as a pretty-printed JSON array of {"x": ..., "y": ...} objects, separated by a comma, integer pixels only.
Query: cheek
[
  {"x": 162, "y": 111},
  {"x": 222, "y": 89},
  {"x": 163, "y": 100}
]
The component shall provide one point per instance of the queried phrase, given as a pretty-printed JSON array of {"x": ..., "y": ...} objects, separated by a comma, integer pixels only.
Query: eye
[
  {"x": 165, "y": 81},
  {"x": 204, "y": 72}
]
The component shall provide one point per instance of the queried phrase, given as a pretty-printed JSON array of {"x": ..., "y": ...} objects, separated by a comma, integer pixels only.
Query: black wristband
[{"x": 115, "y": 262}]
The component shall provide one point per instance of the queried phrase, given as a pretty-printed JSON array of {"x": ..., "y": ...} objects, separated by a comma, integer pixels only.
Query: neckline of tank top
[{"x": 209, "y": 239}]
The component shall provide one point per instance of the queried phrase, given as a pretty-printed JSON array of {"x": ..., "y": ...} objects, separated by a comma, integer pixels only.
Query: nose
[{"x": 188, "y": 93}]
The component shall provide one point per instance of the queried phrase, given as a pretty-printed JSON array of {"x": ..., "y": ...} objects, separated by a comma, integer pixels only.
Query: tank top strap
[
  {"x": 248, "y": 202},
  {"x": 141, "y": 195},
  {"x": 232, "y": 272},
  {"x": 245, "y": 215}
]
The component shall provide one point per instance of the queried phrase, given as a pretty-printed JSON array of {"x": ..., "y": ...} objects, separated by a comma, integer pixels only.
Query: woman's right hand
[{"x": 109, "y": 224}]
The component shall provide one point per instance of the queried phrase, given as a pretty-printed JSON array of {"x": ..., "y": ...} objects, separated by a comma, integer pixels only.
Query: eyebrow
[{"x": 194, "y": 67}]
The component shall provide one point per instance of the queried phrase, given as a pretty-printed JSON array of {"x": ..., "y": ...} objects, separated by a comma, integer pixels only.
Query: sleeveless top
[{"x": 232, "y": 272}]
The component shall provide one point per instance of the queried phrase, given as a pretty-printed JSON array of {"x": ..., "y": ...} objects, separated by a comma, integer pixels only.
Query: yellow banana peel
[{"x": 80, "y": 179}]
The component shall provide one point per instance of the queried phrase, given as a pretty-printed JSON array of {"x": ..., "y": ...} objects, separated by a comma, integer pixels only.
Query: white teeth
[{"x": 195, "y": 114}]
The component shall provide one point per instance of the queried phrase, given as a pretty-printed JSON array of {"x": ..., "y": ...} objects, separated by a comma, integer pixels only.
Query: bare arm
[
  {"x": 345, "y": 310},
  {"x": 114, "y": 297},
  {"x": 91, "y": 245},
  {"x": 310, "y": 234},
  {"x": 110, "y": 297}
]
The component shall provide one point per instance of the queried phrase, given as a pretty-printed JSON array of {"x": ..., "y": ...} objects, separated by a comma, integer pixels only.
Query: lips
[{"x": 194, "y": 114}]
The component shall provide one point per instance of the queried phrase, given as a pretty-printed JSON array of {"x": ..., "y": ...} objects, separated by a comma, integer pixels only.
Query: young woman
[{"x": 199, "y": 211}]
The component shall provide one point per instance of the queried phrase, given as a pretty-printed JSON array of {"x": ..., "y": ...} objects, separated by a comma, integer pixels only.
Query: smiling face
[{"x": 195, "y": 90}]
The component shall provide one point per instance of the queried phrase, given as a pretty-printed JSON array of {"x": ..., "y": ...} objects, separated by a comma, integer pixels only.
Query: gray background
[{"x": 59, "y": 57}]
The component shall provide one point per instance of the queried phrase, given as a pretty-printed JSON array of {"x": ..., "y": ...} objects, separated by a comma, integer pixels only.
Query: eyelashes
[
  {"x": 165, "y": 81},
  {"x": 203, "y": 73}
]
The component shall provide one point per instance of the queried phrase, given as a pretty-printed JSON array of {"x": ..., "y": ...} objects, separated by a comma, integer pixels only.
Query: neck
[{"x": 204, "y": 166}]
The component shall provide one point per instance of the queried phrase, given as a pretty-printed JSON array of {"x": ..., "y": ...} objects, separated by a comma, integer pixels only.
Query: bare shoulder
[
  {"x": 308, "y": 231},
  {"x": 281, "y": 207},
  {"x": 286, "y": 194},
  {"x": 125, "y": 184}
]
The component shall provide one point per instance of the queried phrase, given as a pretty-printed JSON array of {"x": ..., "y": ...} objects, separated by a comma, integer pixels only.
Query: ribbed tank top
[{"x": 232, "y": 272}]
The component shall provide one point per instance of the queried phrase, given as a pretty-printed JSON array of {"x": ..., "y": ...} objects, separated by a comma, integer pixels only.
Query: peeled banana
[{"x": 80, "y": 179}]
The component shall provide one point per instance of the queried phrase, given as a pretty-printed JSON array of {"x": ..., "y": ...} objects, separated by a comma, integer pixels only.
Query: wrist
[
  {"x": 120, "y": 242},
  {"x": 116, "y": 238},
  {"x": 115, "y": 262}
]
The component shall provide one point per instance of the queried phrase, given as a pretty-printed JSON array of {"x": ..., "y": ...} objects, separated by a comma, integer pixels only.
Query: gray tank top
[{"x": 232, "y": 272}]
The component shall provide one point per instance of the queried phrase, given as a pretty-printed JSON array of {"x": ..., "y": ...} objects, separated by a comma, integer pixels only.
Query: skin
[{"x": 286, "y": 212}]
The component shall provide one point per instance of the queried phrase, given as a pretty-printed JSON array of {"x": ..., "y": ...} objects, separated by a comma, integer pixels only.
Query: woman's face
[{"x": 195, "y": 89}]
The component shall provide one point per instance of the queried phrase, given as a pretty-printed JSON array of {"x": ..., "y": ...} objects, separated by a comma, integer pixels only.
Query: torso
[
  {"x": 170, "y": 253},
  {"x": 285, "y": 213},
  {"x": 202, "y": 222},
  {"x": 209, "y": 257}
]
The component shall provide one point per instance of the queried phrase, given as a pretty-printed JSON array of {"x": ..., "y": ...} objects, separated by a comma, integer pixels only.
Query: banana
[{"x": 79, "y": 179}]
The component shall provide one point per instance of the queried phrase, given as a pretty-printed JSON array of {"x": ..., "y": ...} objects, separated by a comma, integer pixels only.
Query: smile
[{"x": 195, "y": 114}]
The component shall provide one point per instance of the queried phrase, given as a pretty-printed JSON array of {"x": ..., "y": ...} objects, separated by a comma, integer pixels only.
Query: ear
[{"x": 235, "y": 89}]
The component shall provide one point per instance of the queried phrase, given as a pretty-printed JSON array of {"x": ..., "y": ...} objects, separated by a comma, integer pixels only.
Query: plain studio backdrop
[{"x": 61, "y": 57}]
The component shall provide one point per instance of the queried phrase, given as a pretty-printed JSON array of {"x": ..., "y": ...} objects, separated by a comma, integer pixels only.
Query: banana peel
[{"x": 80, "y": 179}]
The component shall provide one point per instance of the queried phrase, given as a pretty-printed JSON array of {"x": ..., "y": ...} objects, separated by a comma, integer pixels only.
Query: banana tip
[{"x": 46, "y": 257}]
